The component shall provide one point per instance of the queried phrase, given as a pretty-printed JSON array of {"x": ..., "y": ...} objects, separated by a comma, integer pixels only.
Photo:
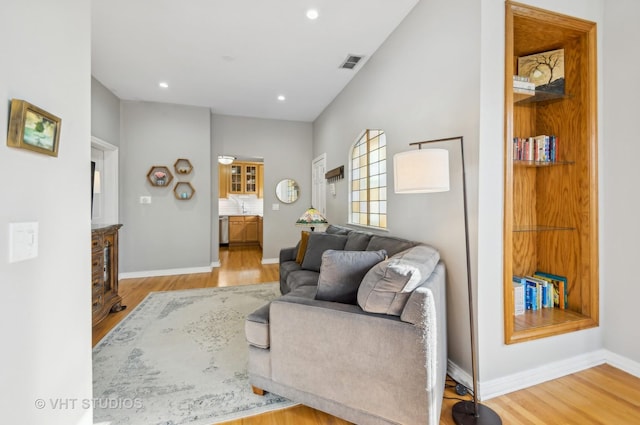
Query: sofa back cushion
[
  {"x": 337, "y": 230},
  {"x": 390, "y": 244},
  {"x": 387, "y": 286},
  {"x": 319, "y": 243},
  {"x": 341, "y": 273},
  {"x": 357, "y": 241}
]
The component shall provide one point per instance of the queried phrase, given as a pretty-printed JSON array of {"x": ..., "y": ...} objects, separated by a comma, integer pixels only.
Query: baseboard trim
[
  {"x": 270, "y": 261},
  {"x": 215, "y": 264},
  {"x": 538, "y": 375},
  {"x": 166, "y": 272},
  {"x": 530, "y": 377},
  {"x": 623, "y": 363}
]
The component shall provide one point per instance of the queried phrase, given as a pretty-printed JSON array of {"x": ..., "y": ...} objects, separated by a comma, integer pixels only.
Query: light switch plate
[
  {"x": 275, "y": 207},
  {"x": 23, "y": 241}
]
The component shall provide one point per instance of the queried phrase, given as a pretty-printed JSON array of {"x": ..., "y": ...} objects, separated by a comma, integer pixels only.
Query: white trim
[
  {"x": 215, "y": 264},
  {"x": 458, "y": 374},
  {"x": 623, "y": 363},
  {"x": 270, "y": 261},
  {"x": 538, "y": 375},
  {"x": 109, "y": 180},
  {"x": 166, "y": 272}
]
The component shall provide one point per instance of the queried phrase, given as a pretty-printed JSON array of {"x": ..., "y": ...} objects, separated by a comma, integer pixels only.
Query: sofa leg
[{"x": 257, "y": 391}]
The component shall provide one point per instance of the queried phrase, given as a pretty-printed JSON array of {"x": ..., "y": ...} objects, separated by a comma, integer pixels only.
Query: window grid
[{"x": 369, "y": 180}]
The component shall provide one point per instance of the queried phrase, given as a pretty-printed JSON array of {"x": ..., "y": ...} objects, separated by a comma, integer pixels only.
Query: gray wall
[
  {"x": 421, "y": 84},
  {"x": 46, "y": 301},
  {"x": 168, "y": 233},
  {"x": 105, "y": 113},
  {"x": 620, "y": 230},
  {"x": 286, "y": 149}
]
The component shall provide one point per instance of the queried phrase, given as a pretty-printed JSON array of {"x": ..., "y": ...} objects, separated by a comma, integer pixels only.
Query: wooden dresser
[{"x": 104, "y": 271}]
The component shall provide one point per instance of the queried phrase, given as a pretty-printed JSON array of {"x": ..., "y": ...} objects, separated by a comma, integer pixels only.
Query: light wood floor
[{"x": 602, "y": 395}]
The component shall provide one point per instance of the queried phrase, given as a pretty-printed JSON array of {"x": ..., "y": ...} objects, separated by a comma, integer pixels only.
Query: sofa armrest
[
  {"x": 288, "y": 254},
  {"x": 317, "y": 345}
]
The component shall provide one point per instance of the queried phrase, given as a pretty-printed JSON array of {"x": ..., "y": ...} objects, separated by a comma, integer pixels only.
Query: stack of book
[
  {"x": 541, "y": 148},
  {"x": 541, "y": 290},
  {"x": 522, "y": 85}
]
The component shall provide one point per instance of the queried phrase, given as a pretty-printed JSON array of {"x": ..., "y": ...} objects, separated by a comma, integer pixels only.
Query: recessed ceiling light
[
  {"x": 281, "y": 98},
  {"x": 312, "y": 14},
  {"x": 163, "y": 85}
]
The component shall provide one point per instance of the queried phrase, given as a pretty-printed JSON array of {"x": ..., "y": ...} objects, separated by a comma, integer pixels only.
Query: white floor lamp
[{"x": 427, "y": 171}]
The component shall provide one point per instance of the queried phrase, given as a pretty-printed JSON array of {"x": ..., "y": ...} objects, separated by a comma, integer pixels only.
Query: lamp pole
[{"x": 468, "y": 412}]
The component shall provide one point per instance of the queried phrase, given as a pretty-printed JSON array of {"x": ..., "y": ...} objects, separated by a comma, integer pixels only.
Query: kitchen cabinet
[
  {"x": 224, "y": 171},
  {"x": 241, "y": 178},
  {"x": 243, "y": 229}
]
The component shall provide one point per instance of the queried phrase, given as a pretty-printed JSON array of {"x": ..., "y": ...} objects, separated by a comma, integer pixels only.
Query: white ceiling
[{"x": 237, "y": 56}]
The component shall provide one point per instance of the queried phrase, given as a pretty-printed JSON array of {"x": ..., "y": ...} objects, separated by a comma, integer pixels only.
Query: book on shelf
[
  {"x": 538, "y": 293},
  {"x": 540, "y": 148},
  {"x": 560, "y": 288},
  {"x": 518, "y": 297}
]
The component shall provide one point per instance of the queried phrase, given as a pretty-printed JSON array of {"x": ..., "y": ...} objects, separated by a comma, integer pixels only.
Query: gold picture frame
[{"x": 33, "y": 128}]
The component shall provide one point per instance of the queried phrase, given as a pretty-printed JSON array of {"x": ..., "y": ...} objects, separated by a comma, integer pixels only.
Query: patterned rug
[{"x": 180, "y": 357}]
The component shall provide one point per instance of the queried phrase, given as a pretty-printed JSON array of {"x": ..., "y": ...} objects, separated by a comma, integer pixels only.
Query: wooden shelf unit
[
  {"x": 551, "y": 209},
  {"x": 104, "y": 272}
]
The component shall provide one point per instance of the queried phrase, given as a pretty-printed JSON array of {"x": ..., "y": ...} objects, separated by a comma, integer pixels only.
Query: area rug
[{"x": 180, "y": 357}]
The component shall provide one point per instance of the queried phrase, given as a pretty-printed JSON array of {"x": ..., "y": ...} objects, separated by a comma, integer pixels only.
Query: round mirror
[{"x": 287, "y": 191}]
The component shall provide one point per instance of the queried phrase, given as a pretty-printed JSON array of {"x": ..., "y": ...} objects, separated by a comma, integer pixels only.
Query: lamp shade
[
  {"x": 226, "y": 159},
  {"x": 311, "y": 218},
  {"x": 421, "y": 171}
]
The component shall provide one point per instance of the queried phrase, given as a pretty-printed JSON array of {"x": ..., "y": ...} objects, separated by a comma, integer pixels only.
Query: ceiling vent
[{"x": 351, "y": 62}]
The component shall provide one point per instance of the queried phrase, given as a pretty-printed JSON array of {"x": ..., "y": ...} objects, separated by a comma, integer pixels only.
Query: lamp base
[{"x": 463, "y": 414}]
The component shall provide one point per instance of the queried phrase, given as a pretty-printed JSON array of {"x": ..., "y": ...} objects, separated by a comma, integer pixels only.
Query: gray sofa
[{"x": 354, "y": 334}]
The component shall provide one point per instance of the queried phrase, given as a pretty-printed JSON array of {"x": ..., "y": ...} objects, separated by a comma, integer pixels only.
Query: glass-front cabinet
[{"x": 244, "y": 178}]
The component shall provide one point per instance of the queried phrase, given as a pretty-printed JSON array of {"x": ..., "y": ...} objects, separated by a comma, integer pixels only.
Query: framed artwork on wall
[{"x": 33, "y": 128}]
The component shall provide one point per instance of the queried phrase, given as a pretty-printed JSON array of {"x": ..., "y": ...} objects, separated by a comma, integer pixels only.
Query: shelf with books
[
  {"x": 550, "y": 188},
  {"x": 535, "y": 324},
  {"x": 522, "y": 163}
]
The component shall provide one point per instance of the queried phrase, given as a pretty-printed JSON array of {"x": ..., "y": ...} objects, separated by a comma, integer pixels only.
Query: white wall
[
  {"x": 423, "y": 83},
  {"x": 497, "y": 360},
  {"x": 105, "y": 113},
  {"x": 620, "y": 229},
  {"x": 286, "y": 149},
  {"x": 46, "y": 308},
  {"x": 169, "y": 233}
]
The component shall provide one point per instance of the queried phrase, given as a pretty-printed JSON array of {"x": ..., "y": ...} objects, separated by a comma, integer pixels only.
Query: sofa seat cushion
[
  {"x": 388, "y": 285},
  {"x": 390, "y": 244},
  {"x": 256, "y": 327},
  {"x": 317, "y": 244},
  {"x": 341, "y": 273},
  {"x": 299, "y": 278}
]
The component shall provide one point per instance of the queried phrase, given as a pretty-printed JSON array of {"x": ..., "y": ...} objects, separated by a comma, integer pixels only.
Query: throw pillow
[
  {"x": 302, "y": 246},
  {"x": 341, "y": 273},
  {"x": 316, "y": 245},
  {"x": 387, "y": 286}
]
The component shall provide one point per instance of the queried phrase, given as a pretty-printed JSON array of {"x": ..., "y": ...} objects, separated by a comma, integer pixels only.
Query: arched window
[{"x": 368, "y": 178}]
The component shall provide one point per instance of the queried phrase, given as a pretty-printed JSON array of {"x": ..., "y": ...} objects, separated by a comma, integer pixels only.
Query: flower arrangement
[{"x": 160, "y": 175}]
